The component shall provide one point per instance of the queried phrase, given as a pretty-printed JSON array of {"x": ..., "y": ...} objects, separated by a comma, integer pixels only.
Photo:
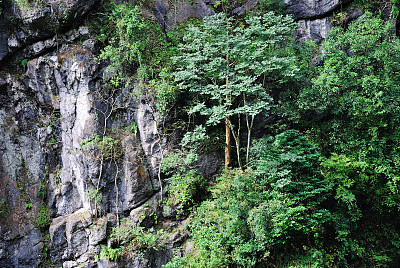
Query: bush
[
  {"x": 186, "y": 189},
  {"x": 135, "y": 41},
  {"x": 131, "y": 237},
  {"x": 43, "y": 218},
  {"x": 257, "y": 216}
]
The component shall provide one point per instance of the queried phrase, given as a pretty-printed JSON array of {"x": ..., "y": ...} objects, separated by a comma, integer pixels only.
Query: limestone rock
[
  {"x": 98, "y": 231},
  {"x": 312, "y": 9},
  {"x": 316, "y": 30},
  {"x": 136, "y": 187},
  {"x": 36, "y": 21}
]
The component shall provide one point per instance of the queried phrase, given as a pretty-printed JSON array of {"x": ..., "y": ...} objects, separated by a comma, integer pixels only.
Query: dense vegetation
[{"x": 321, "y": 188}]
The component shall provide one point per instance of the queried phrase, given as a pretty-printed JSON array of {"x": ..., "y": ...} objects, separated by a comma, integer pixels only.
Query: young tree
[{"x": 234, "y": 67}]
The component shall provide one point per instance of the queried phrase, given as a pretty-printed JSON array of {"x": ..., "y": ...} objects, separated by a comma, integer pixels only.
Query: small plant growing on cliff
[
  {"x": 43, "y": 218},
  {"x": 130, "y": 47},
  {"x": 95, "y": 197},
  {"x": 24, "y": 63},
  {"x": 133, "y": 128},
  {"x": 3, "y": 206},
  {"x": 107, "y": 147},
  {"x": 131, "y": 237}
]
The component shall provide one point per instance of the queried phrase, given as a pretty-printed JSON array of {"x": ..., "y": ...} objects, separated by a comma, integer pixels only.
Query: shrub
[
  {"x": 186, "y": 189},
  {"x": 43, "y": 217},
  {"x": 131, "y": 237},
  {"x": 257, "y": 216}
]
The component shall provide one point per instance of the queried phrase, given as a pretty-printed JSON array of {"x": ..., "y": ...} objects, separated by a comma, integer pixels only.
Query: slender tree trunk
[
  {"x": 227, "y": 129},
  {"x": 236, "y": 137},
  {"x": 249, "y": 127},
  {"x": 227, "y": 143}
]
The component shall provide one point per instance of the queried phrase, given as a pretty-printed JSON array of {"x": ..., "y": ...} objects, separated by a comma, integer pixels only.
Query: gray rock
[
  {"x": 209, "y": 164},
  {"x": 58, "y": 243},
  {"x": 182, "y": 10},
  {"x": 35, "y": 21},
  {"x": 29, "y": 250},
  {"x": 76, "y": 232},
  {"x": 316, "y": 30},
  {"x": 70, "y": 264},
  {"x": 312, "y": 9},
  {"x": 136, "y": 187},
  {"x": 147, "y": 214},
  {"x": 160, "y": 11},
  {"x": 3, "y": 46},
  {"x": 153, "y": 143},
  {"x": 98, "y": 231}
]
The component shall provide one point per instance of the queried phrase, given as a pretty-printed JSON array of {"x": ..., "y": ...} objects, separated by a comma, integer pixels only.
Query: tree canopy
[{"x": 233, "y": 67}]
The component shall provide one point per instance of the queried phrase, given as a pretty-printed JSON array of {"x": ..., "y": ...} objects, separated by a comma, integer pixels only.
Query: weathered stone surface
[
  {"x": 70, "y": 235},
  {"x": 36, "y": 21},
  {"x": 76, "y": 232},
  {"x": 312, "y": 9},
  {"x": 147, "y": 214},
  {"x": 58, "y": 244},
  {"x": 22, "y": 162},
  {"x": 3, "y": 46},
  {"x": 98, "y": 231},
  {"x": 148, "y": 122},
  {"x": 316, "y": 30},
  {"x": 136, "y": 188},
  {"x": 182, "y": 10},
  {"x": 209, "y": 164},
  {"x": 26, "y": 252}
]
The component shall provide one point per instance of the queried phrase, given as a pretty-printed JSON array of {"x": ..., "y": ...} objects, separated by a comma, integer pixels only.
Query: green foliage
[
  {"x": 186, "y": 189},
  {"x": 42, "y": 218},
  {"x": 111, "y": 254},
  {"x": 165, "y": 93},
  {"x": 95, "y": 196},
  {"x": 356, "y": 98},
  {"x": 373, "y": 6},
  {"x": 24, "y": 63},
  {"x": 182, "y": 161},
  {"x": 351, "y": 110},
  {"x": 272, "y": 5},
  {"x": 289, "y": 164},
  {"x": 341, "y": 172},
  {"x": 133, "y": 128},
  {"x": 252, "y": 53},
  {"x": 28, "y": 206},
  {"x": 259, "y": 216},
  {"x": 231, "y": 66},
  {"x": 186, "y": 186},
  {"x": 131, "y": 237},
  {"x": 108, "y": 147},
  {"x": 137, "y": 41}
]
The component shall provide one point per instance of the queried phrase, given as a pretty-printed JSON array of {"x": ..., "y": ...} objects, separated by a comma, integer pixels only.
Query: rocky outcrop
[
  {"x": 311, "y": 9},
  {"x": 46, "y": 114},
  {"x": 36, "y": 21}
]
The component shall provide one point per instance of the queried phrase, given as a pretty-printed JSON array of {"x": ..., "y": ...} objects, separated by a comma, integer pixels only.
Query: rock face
[
  {"x": 39, "y": 20},
  {"x": 312, "y": 9},
  {"x": 75, "y": 153}
]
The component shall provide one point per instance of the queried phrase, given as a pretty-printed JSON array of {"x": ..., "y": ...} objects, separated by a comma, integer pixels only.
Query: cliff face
[{"x": 55, "y": 100}]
